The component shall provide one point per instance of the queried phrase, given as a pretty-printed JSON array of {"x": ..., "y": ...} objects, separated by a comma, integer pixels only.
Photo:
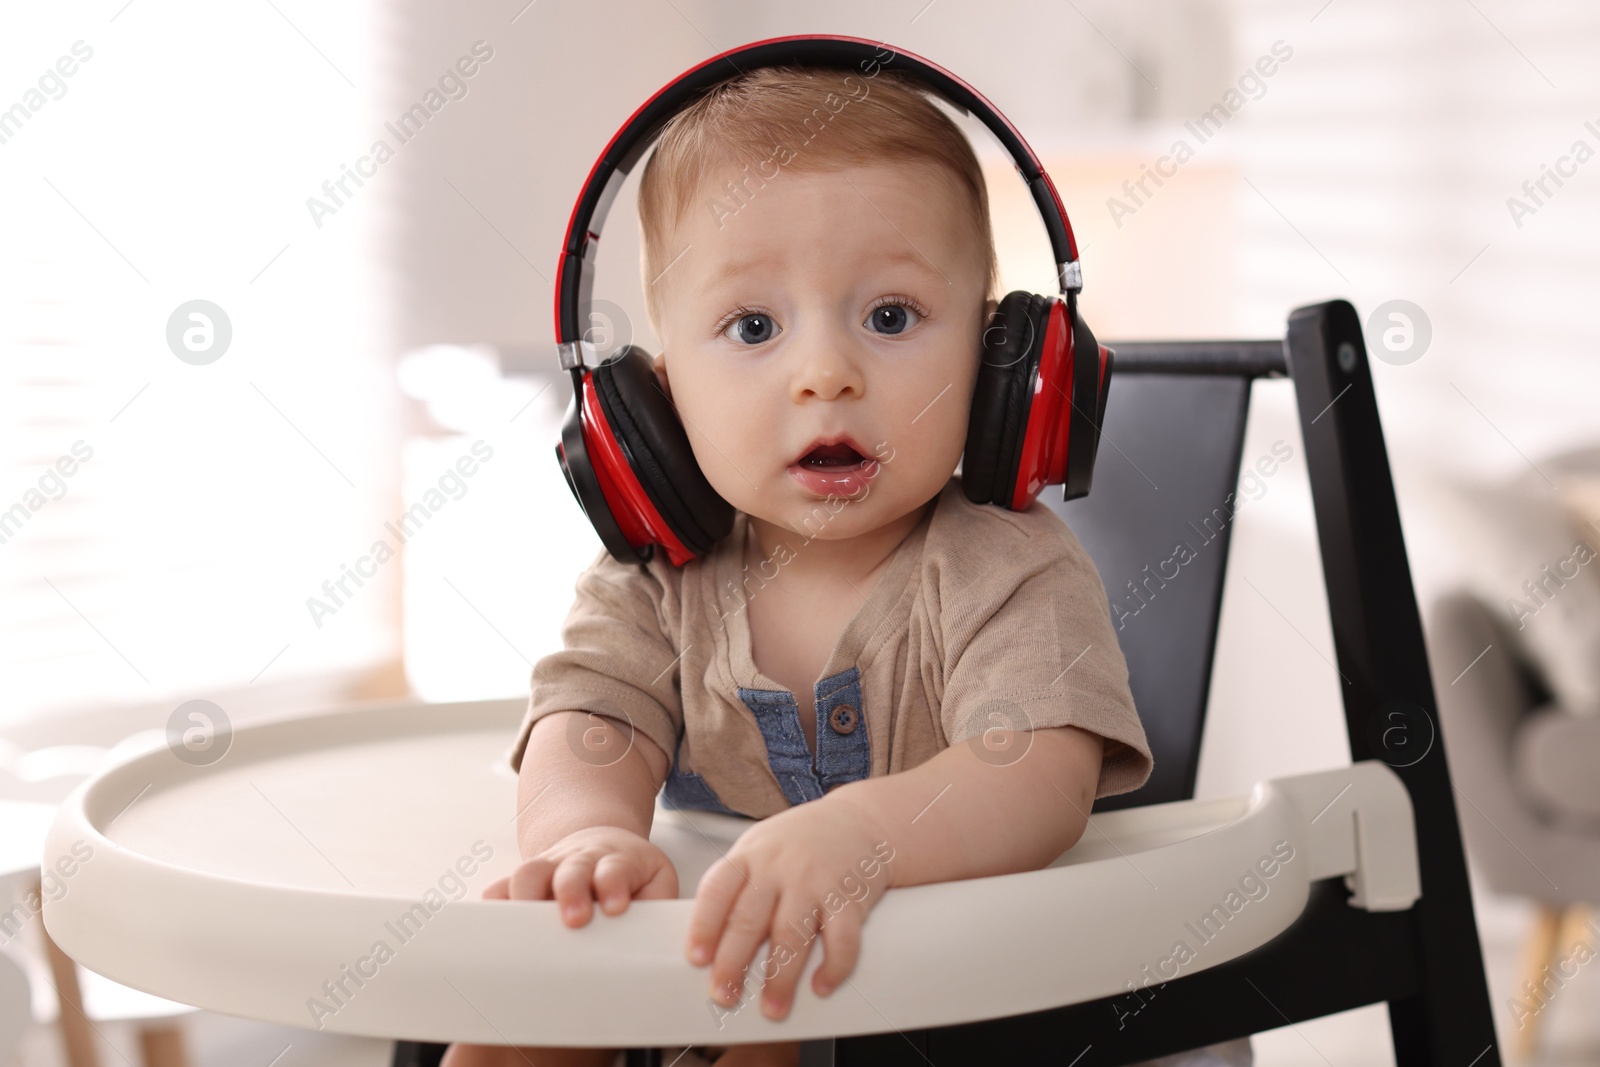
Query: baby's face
[{"x": 835, "y": 303}]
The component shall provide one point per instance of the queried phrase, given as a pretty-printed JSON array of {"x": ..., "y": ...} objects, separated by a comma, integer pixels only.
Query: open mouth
[{"x": 834, "y": 457}]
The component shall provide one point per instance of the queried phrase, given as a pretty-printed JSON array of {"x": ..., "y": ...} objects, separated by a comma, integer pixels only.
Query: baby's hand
[
  {"x": 605, "y": 863},
  {"x": 807, "y": 865}
]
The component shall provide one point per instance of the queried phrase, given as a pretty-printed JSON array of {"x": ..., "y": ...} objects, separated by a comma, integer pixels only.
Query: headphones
[{"x": 1036, "y": 405}]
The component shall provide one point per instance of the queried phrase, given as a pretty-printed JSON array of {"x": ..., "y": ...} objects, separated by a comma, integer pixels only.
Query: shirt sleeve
[
  {"x": 618, "y": 657},
  {"x": 1032, "y": 646}
]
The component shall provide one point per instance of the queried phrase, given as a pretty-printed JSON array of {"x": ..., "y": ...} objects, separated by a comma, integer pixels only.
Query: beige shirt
[{"x": 983, "y": 618}]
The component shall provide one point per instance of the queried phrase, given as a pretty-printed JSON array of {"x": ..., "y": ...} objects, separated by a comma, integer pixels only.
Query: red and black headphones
[{"x": 623, "y": 449}]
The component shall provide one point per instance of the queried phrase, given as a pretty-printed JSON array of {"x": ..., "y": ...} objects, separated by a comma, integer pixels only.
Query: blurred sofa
[{"x": 1514, "y": 648}]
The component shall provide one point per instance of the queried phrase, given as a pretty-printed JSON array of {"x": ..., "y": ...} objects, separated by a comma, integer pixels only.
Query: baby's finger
[
  {"x": 749, "y": 923},
  {"x": 663, "y": 885},
  {"x": 574, "y": 884},
  {"x": 498, "y": 890},
  {"x": 841, "y": 947},
  {"x": 713, "y": 899},
  {"x": 531, "y": 881},
  {"x": 793, "y": 935},
  {"x": 614, "y": 876}
]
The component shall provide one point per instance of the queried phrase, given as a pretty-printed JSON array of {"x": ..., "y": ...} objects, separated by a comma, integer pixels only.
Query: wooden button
[{"x": 843, "y": 719}]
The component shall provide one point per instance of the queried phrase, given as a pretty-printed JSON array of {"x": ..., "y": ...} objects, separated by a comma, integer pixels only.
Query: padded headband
[{"x": 575, "y": 277}]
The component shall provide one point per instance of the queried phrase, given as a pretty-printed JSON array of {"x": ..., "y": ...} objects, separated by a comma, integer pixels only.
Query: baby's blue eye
[
  {"x": 892, "y": 318},
  {"x": 752, "y": 329}
]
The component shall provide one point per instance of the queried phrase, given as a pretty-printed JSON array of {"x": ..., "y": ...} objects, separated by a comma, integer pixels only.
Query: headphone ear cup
[
  {"x": 647, "y": 427},
  {"x": 1009, "y": 363},
  {"x": 1092, "y": 364},
  {"x": 580, "y": 470}
]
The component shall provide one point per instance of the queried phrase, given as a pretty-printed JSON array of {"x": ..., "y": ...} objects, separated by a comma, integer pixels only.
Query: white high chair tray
[{"x": 326, "y": 873}]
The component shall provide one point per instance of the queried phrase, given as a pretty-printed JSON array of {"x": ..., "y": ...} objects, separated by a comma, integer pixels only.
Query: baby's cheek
[{"x": 724, "y": 434}]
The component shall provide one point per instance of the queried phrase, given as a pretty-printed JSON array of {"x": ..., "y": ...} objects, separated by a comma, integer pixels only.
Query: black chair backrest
[{"x": 1157, "y": 522}]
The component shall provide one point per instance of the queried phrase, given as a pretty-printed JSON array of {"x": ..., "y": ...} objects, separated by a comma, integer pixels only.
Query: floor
[{"x": 1358, "y": 1038}]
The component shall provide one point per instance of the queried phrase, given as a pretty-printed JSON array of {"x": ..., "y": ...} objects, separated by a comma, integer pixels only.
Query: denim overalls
[{"x": 843, "y": 753}]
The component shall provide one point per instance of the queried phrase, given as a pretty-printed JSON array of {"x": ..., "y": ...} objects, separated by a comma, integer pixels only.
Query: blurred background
[{"x": 179, "y": 496}]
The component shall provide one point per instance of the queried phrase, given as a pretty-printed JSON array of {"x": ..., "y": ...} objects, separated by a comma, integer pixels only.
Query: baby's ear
[{"x": 658, "y": 364}]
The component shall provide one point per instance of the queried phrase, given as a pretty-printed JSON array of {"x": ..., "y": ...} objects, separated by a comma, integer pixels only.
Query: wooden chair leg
[
  {"x": 162, "y": 1046},
  {"x": 77, "y": 1036},
  {"x": 1574, "y": 928},
  {"x": 1540, "y": 948}
]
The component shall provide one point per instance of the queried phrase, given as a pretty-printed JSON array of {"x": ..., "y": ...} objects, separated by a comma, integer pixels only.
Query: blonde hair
[{"x": 801, "y": 119}]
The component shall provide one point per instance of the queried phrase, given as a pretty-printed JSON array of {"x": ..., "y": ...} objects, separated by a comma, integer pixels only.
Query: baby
[{"x": 890, "y": 678}]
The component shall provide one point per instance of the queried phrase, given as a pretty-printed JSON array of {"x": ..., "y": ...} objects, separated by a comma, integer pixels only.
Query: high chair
[{"x": 310, "y": 877}]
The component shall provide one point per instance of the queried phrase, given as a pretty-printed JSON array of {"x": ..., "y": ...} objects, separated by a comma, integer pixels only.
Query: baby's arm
[
  {"x": 565, "y": 785},
  {"x": 965, "y": 813},
  {"x": 583, "y": 820},
  {"x": 968, "y": 813}
]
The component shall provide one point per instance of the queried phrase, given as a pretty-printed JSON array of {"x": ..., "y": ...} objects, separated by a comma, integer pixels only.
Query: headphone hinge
[
  {"x": 1070, "y": 276},
  {"x": 576, "y": 354}
]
